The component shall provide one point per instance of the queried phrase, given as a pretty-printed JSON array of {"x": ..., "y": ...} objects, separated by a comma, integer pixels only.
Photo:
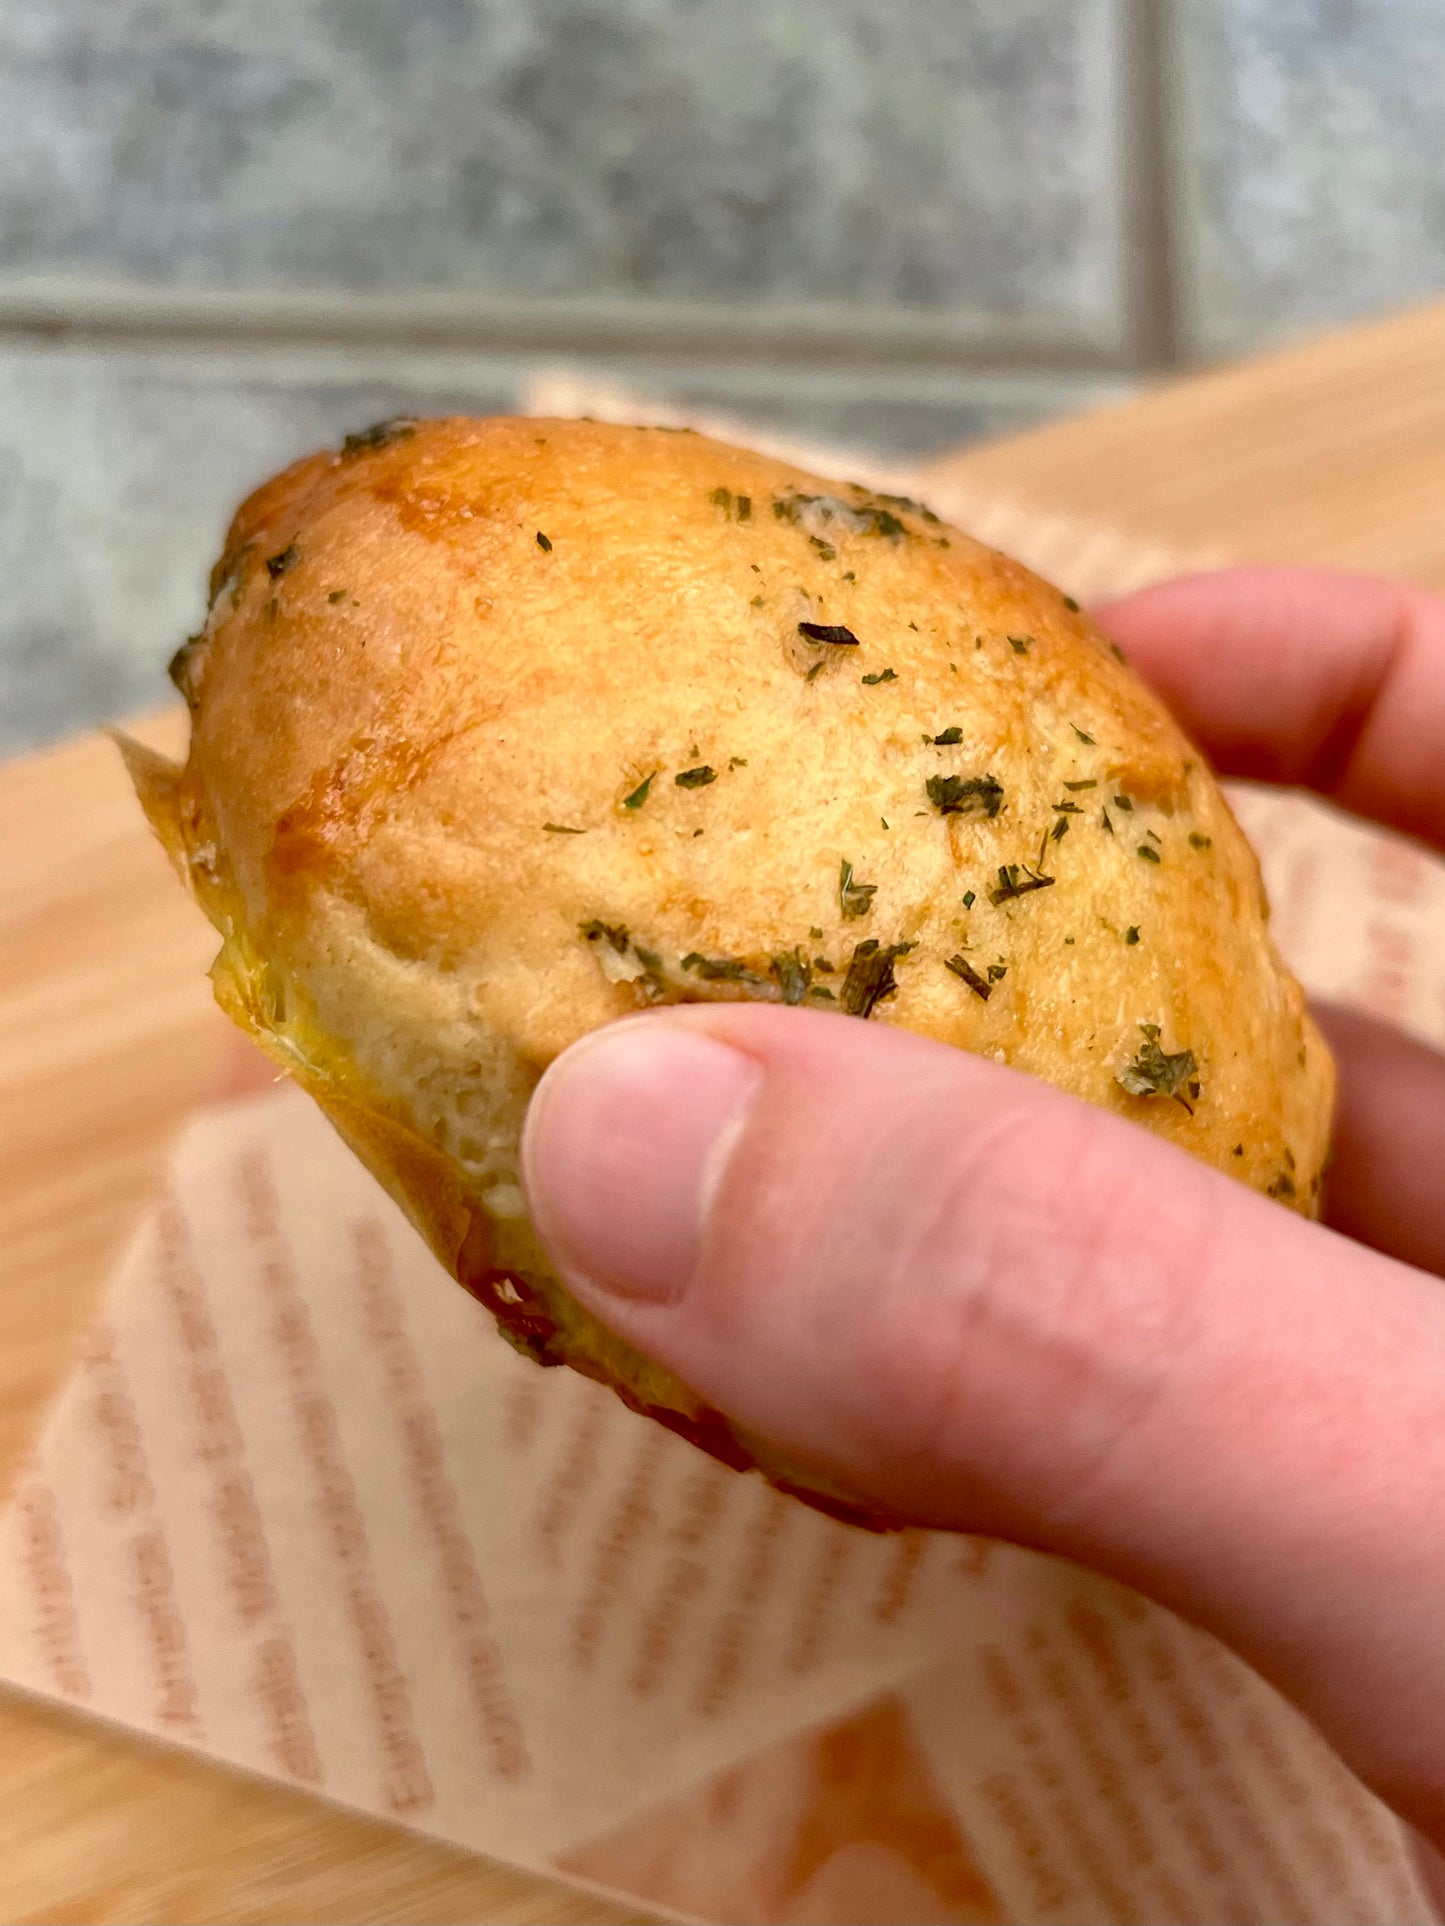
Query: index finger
[{"x": 1308, "y": 676}]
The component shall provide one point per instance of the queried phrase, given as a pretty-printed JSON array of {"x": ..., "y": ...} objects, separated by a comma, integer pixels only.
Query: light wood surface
[{"x": 1333, "y": 451}]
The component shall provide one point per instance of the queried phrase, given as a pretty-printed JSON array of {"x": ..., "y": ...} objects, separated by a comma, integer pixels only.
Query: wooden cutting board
[{"x": 1331, "y": 452}]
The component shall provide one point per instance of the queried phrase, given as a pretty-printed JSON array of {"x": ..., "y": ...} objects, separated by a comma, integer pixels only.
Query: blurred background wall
[{"x": 230, "y": 230}]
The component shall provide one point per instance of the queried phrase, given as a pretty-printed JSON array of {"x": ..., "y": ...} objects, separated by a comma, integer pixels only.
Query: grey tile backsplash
[
  {"x": 896, "y": 225},
  {"x": 1311, "y": 161},
  {"x": 922, "y": 154}
]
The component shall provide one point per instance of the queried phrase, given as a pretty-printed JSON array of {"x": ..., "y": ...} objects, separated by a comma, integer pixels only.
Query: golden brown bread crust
[{"x": 502, "y": 729}]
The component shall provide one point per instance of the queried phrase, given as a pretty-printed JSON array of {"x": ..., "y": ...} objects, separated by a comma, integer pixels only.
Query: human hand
[{"x": 983, "y": 1305}]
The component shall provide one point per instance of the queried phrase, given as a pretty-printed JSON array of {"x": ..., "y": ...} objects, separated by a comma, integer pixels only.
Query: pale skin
[{"x": 1121, "y": 1355}]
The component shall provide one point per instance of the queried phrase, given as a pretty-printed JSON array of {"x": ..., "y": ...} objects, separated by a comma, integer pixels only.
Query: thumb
[{"x": 980, "y": 1304}]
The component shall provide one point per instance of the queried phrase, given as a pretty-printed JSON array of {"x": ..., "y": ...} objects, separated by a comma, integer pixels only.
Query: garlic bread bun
[{"x": 504, "y": 729}]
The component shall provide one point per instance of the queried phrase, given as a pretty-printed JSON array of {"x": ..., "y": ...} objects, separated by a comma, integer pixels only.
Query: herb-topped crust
[{"x": 503, "y": 729}]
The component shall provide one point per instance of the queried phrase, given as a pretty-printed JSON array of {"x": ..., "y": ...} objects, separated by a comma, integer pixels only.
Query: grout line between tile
[
  {"x": 57, "y": 308},
  {"x": 1151, "y": 291}
]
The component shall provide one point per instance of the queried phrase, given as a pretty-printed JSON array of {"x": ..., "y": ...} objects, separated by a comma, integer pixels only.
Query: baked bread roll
[{"x": 504, "y": 729}]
